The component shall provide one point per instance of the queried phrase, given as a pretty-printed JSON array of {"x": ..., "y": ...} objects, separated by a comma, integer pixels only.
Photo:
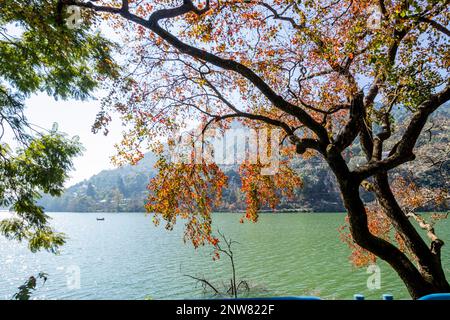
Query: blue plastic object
[
  {"x": 388, "y": 297},
  {"x": 358, "y": 297},
  {"x": 436, "y": 296}
]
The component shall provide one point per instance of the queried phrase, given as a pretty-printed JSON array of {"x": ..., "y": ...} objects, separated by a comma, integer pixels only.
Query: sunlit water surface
[{"x": 127, "y": 257}]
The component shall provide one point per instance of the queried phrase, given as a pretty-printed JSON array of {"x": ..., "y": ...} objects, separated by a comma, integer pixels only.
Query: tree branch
[
  {"x": 403, "y": 150},
  {"x": 352, "y": 128},
  {"x": 153, "y": 24},
  {"x": 435, "y": 25}
]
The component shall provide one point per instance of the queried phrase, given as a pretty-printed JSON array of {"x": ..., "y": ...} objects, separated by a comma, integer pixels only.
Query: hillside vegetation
[{"x": 125, "y": 189}]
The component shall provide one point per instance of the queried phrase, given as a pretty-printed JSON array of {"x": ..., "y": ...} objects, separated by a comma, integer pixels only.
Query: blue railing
[
  {"x": 436, "y": 296},
  {"x": 386, "y": 297}
]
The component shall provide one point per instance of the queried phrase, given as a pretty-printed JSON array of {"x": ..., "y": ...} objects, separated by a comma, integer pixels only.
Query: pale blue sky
[{"x": 76, "y": 118}]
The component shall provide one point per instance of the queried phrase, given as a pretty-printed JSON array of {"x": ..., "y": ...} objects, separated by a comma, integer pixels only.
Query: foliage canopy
[{"x": 39, "y": 54}]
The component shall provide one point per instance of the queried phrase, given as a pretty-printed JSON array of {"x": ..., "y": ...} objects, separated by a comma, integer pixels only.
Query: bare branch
[
  {"x": 403, "y": 150},
  {"x": 436, "y": 25}
]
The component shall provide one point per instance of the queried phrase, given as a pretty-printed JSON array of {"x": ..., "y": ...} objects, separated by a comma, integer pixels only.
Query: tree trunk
[
  {"x": 417, "y": 283},
  {"x": 428, "y": 258}
]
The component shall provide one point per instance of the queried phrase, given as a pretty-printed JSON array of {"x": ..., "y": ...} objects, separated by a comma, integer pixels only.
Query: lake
[{"x": 127, "y": 257}]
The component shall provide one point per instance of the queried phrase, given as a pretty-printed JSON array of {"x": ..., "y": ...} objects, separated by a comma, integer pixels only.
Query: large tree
[
  {"x": 314, "y": 69},
  {"x": 38, "y": 53}
]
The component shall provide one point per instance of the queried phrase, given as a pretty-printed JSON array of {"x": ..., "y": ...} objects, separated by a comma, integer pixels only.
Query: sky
[{"x": 76, "y": 118}]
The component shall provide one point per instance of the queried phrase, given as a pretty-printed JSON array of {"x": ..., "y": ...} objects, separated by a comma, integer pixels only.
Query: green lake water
[{"x": 127, "y": 257}]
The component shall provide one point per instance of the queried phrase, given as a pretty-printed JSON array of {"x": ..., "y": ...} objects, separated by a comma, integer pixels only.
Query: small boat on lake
[{"x": 100, "y": 219}]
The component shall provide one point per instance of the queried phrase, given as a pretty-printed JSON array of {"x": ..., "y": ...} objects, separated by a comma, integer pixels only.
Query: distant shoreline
[
  {"x": 292, "y": 211},
  {"x": 219, "y": 211}
]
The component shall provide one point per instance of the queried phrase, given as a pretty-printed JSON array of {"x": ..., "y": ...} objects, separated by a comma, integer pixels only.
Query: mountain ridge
[{"x": 124, "y": 189}]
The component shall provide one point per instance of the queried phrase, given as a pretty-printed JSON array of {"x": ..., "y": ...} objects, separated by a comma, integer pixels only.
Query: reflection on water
[{"x": 127, "y": 257}]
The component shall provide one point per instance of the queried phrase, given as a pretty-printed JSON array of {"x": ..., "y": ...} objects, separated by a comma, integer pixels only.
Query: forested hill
[
  {"x": 121, "y": 189},
  {"x": 125, "y": 189}
]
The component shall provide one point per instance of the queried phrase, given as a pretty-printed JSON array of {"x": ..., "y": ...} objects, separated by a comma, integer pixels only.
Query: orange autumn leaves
[
  {"x": 191, "y": 191},
  {"x": 266, "y": 190},
  {"x": 411, "y": 198},
  {"x": 174, "y": 90},
  {"x": 379, "y": 225}
]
